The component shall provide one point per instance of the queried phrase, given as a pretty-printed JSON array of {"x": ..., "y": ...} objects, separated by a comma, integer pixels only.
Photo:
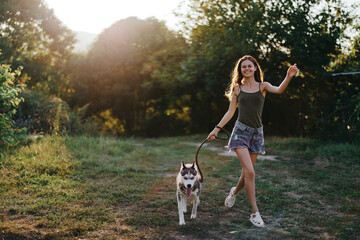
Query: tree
[
  {"x": 343, "y": 115},
  {"x": 308, "y": 36},
  {"x": 165, "y": 89},
  {"x": 277, "y": 33},
  {"x": 32, "y": 37},
  {"x": 124, "y": 72},
  {"x": 220, "y": 32},
  {"x": 9, "y": 101}
]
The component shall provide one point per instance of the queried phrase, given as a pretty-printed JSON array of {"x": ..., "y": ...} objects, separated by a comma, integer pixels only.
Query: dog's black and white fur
[{"x": 188, "y": 183}]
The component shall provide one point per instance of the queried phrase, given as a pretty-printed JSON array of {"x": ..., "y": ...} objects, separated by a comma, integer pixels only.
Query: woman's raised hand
[{"x": 292, "y": 70}]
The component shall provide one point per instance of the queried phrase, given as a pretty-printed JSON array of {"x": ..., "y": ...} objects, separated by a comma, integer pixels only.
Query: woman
[{"x": 247, "y": 91}]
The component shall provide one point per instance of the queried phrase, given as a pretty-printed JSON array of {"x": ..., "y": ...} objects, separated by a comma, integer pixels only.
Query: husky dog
[{"x": 188, "y": 183}]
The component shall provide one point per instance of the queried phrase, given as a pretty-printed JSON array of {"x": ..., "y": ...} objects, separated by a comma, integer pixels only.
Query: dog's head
[{"x": 188, "y": 176}]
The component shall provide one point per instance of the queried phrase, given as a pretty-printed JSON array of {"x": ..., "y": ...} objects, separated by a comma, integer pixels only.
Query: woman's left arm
[{"x": 280, "y": 89}]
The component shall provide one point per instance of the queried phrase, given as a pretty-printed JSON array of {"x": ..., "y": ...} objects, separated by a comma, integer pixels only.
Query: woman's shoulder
[
  {"x": 237, "y": 89},
  {"x": 264, "y": 85}
]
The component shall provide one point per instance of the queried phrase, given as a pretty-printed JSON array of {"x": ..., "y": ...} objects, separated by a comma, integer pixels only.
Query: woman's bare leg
[
  {"x": 241, "y": 182},
  {"x": 247, "y": 161}
]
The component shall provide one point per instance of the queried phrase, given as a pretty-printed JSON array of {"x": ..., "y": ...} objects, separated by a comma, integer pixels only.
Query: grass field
[{"x": 107, "y": 188}]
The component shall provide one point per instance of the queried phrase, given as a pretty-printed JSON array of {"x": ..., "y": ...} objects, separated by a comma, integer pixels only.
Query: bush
[
  {"x": 80, "y": 125},
  {"x": 9, "y": 101},
  {"x": 342, "y": 118},
  {"x": 44, "y": 114}
]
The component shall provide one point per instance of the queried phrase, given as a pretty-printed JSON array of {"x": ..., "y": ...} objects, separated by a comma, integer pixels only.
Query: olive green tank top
[{"x": 250, "y": 107}]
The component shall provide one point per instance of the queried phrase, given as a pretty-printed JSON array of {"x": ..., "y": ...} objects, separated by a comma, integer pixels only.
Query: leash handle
[
  {"x": 224, "y": 130},
  {"x": 198, "y": 150}
]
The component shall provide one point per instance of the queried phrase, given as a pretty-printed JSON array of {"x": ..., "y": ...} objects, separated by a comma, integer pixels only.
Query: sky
[{"x": 93, "y": 16}]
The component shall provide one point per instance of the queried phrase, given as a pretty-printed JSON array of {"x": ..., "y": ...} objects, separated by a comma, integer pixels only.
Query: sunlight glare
[{"x": 94, "y": 16}]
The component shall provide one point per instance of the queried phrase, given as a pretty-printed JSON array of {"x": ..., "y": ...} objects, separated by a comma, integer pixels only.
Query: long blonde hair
[{"x": 236, "y": 75}]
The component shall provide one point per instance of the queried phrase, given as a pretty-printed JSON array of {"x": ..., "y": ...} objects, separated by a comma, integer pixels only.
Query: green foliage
[
  {"x": 79, "y": 124},
  {"x": 220, "y": 32},
  {"x": 41, "y": 113},
  {"x": 130, "y": 74},
  {"x": 277, "y": 33},
  {"x": 32, "y": 37},
  {"x": 9, "y": 101},
  {"x": 166, "y": 87},
  {"x": 141, "y": 78},
  {"x": 311, "y": 39},
  {"x": 147, "y": 80},
  {"x": 344, "y": 116}
]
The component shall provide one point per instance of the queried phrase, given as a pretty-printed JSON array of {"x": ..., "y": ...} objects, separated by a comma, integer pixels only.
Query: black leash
[{"x": 197, "y": 153}]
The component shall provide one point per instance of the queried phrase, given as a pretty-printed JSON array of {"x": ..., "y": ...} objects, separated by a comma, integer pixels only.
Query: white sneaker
[
  {"x": 256, "y": 219},
  {"x": 230, "y": 200}
]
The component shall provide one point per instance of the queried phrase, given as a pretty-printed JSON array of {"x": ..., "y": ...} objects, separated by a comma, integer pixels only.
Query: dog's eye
[
  {"x": 185, "y": 178},
  {"x": 192, "y": 178}
]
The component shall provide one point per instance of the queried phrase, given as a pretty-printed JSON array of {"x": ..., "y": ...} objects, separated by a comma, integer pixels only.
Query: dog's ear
[
  {"x": 193, "y": 166},
  {"x": 182, "y": 165}
]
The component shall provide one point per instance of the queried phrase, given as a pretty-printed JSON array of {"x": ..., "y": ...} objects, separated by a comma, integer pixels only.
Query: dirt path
[
  {"x": 241, "y": 232},
  {"x": 225, "y": 152}
]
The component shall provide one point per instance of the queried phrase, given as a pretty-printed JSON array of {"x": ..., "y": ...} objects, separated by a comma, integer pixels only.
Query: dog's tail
[{"x": 197, "y": 153}]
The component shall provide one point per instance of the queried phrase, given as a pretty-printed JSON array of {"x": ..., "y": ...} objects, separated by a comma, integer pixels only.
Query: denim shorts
[{"x": 244, "y": 136}]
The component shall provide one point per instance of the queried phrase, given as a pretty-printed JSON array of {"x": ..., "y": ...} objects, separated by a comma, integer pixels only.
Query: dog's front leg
[
  {"x": 185, "y": 206},
  {"x": 181, "y": 203},
  {"x": 194, "y": 209}
]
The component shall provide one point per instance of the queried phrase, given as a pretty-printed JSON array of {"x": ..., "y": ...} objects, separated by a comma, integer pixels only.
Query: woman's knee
[{"x": 249, "y": 173}]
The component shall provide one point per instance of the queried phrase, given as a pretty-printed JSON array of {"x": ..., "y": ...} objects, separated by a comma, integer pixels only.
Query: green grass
[{"x": 108, "y": 188}]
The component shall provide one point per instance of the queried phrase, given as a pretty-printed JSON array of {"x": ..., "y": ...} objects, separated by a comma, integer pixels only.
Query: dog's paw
[
  {"x": 193, "y": 216},
  {"x": 182, "y": 223}
]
